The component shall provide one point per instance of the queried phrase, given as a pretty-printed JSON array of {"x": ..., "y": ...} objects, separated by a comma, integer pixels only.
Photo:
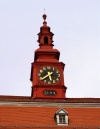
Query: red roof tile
[
  {"x": 45, "y": 127},
  {"x": 26, "y": 116},
  {"x": 44, "y": 116}
]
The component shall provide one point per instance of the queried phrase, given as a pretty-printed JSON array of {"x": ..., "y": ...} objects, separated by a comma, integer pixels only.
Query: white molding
[
  {"x": 66, "y": 124},
  {"x": 51, "y": 104}
]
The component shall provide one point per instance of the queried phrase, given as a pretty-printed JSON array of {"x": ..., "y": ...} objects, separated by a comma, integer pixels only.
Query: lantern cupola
[{"x": 45, "y": 36}]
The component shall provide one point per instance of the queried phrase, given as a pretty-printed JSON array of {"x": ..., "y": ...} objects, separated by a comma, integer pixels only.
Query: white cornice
[{"x": 46, "y": 104}]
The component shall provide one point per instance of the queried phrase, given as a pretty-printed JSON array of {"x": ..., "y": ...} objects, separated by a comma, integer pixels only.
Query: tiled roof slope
[
  {"x": 45, "y": 127},
  {"x": 26, "y": 113},
  {"x": 44, "y": 116}
]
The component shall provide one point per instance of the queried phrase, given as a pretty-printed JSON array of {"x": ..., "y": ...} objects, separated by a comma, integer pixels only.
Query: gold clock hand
[
  {"x": 50, "y": 76},
  {"x": 47, "y": 75}
]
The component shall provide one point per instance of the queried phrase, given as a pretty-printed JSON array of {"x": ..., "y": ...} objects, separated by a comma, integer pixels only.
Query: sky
[{"x": 76, "y": 25}]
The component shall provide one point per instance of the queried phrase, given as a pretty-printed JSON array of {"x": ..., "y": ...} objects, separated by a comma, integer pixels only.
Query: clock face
[{"x": 49, "y": 75}]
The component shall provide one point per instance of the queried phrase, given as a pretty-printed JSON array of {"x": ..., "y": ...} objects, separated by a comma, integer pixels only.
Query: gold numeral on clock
[
  {"x": 39, "y": 74},
  {"x": 58, "y": 75},
  {"x": 40, "y": 78},
  {"x": 57, "y": 79},
  {"x": 44, "y": 81},
  {"x": 54, "y": 81},
  {"x": 41, "y": 71},
  {"x": 49, "y": 82},
  {"x": 57, "y": 71},
  {"x": 44, "y": 68},
  {"x": 48, "y": 67}
]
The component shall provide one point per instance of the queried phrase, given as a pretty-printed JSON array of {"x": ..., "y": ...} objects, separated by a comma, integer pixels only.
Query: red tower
[{"x": 47, "y": 72}]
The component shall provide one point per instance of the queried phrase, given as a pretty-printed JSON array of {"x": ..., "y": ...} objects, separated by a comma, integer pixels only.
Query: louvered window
[{"x": 45, "y": 40}]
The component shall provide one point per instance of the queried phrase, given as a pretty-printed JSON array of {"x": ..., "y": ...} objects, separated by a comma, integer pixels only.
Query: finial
[{"x": 44, "y": 17}]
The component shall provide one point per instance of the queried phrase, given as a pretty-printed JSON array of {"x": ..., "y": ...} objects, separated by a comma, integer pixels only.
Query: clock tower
[{"x": 46, "y": 71}]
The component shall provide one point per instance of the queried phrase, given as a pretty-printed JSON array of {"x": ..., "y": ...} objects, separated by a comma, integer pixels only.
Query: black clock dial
[{"x": 49, "y": 75}]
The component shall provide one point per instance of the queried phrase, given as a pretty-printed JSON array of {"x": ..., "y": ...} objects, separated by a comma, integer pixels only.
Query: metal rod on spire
[
  {"x": 44, "y": 10},
  {"x": 44, "y": 17}
]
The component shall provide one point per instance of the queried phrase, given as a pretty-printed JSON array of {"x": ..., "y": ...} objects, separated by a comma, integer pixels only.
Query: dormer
[{"x": 61, "y": 117}]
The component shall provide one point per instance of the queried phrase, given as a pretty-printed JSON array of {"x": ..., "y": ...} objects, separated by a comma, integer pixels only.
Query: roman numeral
[
  {"x": 49, "y": 82},
  {"x": 48, "y": 67},
  {"x": 40, "y": 78},
  {"x": 44, "y": 68},
  {"x": 44, "y": 81},
  {"x": 58, "y": 75},
  {"x": 57, "y": 71},
  {"x": 41, "y": 71},
  {"x": 54, "y": 81},
  {"x": 57, "y": 79},
  {"x": 39, "y": 74}
]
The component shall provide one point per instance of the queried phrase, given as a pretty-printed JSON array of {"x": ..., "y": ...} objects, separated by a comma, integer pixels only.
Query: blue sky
[{"x": 76, "y": 25}]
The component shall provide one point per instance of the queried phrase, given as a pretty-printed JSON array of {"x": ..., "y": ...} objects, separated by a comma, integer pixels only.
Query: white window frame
[{"x": 57, "y": 117}]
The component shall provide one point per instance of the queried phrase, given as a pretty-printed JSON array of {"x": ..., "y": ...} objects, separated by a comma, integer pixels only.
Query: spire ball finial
[{"x": 44, "y": 17}]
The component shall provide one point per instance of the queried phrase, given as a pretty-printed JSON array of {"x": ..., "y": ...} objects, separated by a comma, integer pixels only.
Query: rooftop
[
  {"x": 30, "y": 99},
  {"x": 25, "y": 112},
  {"x": 44, "y": 116}
]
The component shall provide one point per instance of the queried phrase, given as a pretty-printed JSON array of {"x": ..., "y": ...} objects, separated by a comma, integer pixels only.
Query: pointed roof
[{"x": 62, "y": 111}]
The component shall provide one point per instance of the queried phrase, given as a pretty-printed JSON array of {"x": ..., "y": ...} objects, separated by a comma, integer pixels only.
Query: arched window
[{"x": 45, "y": 40}]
